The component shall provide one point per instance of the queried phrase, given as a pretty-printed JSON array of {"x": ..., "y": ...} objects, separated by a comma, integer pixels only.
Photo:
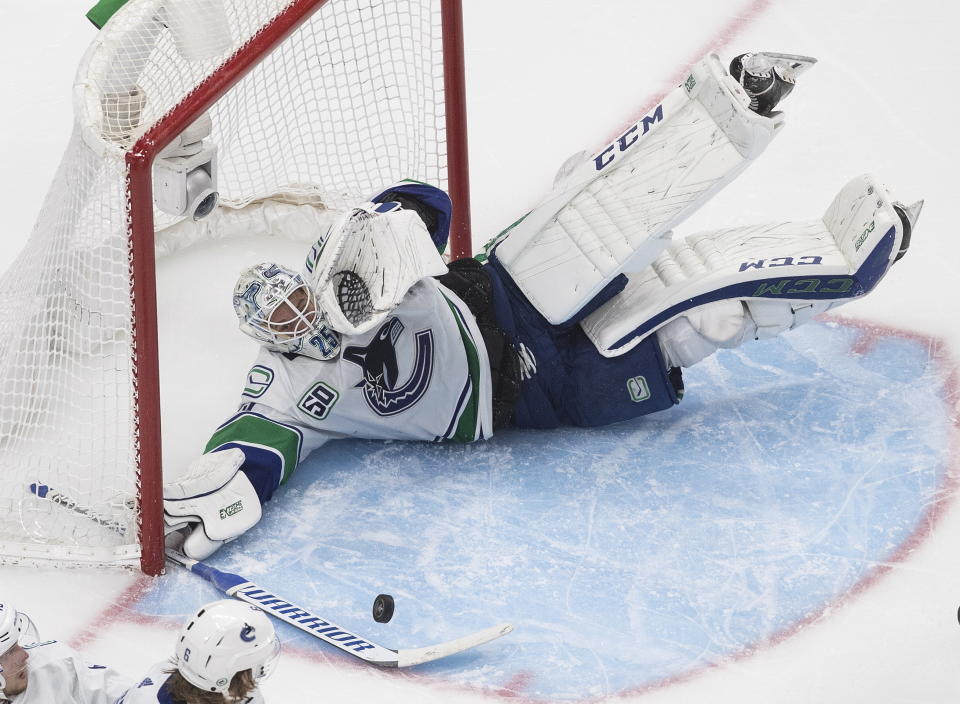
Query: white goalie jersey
[{"x": 421, "y": 374}]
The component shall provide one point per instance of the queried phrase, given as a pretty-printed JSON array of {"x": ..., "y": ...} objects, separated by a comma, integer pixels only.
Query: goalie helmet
[
  {"x": 15, "y": 627},
  {"x": 278, "y": 309},
  {"x": 222, "y": 639}
]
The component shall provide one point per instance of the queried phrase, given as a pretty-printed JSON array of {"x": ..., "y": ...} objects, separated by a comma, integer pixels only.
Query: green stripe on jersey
[
  {"x": 467, "y": 425},
  {"x": 257, "y": 430}
]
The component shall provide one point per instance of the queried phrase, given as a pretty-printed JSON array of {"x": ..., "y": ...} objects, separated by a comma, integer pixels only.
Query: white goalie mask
[
  {"x": 222, "y": 639},
  {"x": 15, "y": 627},
  {"x": 278, "y": 309}
]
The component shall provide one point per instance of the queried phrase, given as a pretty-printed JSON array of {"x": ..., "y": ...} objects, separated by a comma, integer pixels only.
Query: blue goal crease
[{"x": 623, "y": 555}]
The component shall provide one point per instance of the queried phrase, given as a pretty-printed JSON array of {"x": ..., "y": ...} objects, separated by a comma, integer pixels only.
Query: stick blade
[
  {"x": 416, "y": 656},
  {"x": 239, "y": 588}
]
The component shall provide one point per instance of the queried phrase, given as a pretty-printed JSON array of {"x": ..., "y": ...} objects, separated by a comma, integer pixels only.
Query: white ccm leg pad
[
  {"x": 784, "y": 273},
  {"x": 696, "y": 335},
  {"x": 614, "y": 211}
]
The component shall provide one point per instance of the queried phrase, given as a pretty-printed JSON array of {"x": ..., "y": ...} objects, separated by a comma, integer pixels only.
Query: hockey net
[{"x": 311, "y": 101}]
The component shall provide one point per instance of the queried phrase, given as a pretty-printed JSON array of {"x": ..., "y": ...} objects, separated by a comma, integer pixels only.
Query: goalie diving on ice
[{"x": 584, "y": 313}]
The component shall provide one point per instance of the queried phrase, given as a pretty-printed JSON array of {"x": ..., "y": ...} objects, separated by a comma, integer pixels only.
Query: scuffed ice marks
[{"x": 633, "y": 553}]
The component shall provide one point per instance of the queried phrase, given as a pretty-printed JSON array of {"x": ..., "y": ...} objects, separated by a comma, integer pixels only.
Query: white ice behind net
[{"x": 349, "y": 103}]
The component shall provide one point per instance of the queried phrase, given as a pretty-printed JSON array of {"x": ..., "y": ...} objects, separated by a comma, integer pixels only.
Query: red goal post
[
  {"x": 407, "y": 107},
  {"x": 140, "y": 160}
]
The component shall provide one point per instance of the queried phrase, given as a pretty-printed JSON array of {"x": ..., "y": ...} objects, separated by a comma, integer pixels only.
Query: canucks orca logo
[
  {"x": 247, "y": 301},
  {"x": 384, "y": 395}
]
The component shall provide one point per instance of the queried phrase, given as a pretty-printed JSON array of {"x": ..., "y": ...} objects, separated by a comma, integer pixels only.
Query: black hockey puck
[
  {"x": 958, "y": 615},
  {"x": 383, "y": 608}
]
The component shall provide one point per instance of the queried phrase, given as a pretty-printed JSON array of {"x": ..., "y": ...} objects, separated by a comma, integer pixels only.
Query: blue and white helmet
[
  {"x": 278, "y": 309},
  {"x": 15, "y": 627},
  {"x": 223, "y": 638}
]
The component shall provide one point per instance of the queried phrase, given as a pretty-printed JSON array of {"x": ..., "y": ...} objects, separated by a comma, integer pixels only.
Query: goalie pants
[
  {"x": 564, "y": 379},
  {"x": 469, "y": 280}
]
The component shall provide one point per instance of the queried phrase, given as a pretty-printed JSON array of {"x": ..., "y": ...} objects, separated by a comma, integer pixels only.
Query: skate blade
[{"x": 795, "y": 63}]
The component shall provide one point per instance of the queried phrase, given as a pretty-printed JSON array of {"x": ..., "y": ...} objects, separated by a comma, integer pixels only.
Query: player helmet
[
  {"x": 222, "y": 639},
  {"x": 15, "y": 627},
  {"x": 278, "y": 309}
]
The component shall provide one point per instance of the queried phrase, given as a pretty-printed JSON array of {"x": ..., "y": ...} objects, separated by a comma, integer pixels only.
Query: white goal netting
[{"x": 351, "y": 101}]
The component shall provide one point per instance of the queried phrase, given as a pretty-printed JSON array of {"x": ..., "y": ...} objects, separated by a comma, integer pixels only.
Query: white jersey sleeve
[
  {"x": 152, "y": 689},
  {"x": 57, "y": 673},
  {"x": 422, "y": 374}
]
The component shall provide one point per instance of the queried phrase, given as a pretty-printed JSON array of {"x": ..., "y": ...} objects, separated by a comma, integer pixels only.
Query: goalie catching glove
[
  {"x": 363, "y": 266},
  {"x": 212, "y": 505}
]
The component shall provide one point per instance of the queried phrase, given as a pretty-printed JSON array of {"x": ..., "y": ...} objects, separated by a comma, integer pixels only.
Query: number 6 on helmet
[{"x": 223, "y": 639}]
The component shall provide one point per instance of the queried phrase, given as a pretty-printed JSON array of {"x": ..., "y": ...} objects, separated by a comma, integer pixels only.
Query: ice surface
[{"x": 789, "y": 533}]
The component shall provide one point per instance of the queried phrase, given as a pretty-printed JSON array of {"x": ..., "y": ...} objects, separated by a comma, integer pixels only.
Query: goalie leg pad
[
  {"x": 696, "y": 335},
  {"x": 785, "y": 273},
  {"x": 613, "y": 212}
]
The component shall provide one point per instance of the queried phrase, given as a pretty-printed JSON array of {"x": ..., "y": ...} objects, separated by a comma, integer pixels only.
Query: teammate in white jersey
[
  {"x": 584, "y": 314},
  {"x": 223, "y": 652},
  {"x": 33, "y": 672}
]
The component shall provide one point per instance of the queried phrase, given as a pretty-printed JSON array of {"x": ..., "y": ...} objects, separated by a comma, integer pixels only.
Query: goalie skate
[
  {"x": 613, "y": 212},
  {"x": 768, "y": 77}
]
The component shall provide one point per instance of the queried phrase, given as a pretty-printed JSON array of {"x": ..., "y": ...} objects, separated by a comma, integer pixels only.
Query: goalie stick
[
  {"x": 42, "y": 491},
  {"x": 238, "y": 587}
]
